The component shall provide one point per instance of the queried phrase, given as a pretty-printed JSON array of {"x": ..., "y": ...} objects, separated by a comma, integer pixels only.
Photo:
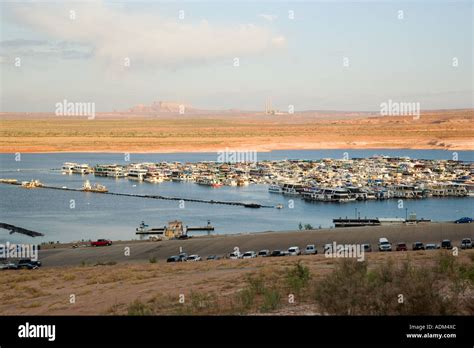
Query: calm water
[{"x": 103, "y": 216}]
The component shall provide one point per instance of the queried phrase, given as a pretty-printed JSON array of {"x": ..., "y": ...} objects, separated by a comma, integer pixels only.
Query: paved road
[{"x": 141, "y": 251}]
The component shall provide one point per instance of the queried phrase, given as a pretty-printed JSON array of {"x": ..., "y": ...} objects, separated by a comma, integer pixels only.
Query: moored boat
[{"x": 93, "y": 188}]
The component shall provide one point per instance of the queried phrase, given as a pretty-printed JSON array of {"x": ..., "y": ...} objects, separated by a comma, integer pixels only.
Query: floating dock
[
  {"x": 242, "y": 204},
  {"x": 376, "y": 222},
  {"x": 174, "y": 229}
]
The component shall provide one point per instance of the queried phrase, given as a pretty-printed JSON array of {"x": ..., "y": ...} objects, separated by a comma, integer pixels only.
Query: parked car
[
  {"x": 278, "y": 253},
  {"x": 384, "y": 244},
  {"x": 431, "y": 246},
  {"x": 213, "y": 257},
  {"x": 367, "y": 248},
  {"x": 418, "y": 246},
  {"x": 466, "y": 243},
  {"x": 249, "y": 255},
  {"x": 464, "y": 220},
  {"x": 310, "y": 250},
  {"x": 184, "y": 237},
  {"x": 264, "y": 253},
  {"x": 183, "y": 257},
  {"x": 174, "y": 258},
  {"x": 192, "y": 258},
  {"x": 28, "y": 264},
  {"x": 401, "y": 247},
  {"x": 101, "y": 242},
  {"x": 235, "y": 255},
  {"x": 6, "y": 266},
  {"x": 294, "y": 251},
  {"x": 446, "y": 244}
]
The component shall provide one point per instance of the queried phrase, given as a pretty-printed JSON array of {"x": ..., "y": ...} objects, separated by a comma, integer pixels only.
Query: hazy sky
[{"x": 297, "y": 61}]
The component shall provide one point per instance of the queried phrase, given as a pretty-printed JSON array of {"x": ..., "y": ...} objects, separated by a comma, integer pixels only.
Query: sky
[{"x": 313, "y": 55}]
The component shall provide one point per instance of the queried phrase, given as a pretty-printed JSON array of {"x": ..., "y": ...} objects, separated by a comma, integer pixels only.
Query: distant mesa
[{"x": 162, "y": 107}]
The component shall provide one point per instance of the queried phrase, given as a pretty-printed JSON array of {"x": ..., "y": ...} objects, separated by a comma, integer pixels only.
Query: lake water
[{"x": 114, "y": 217}]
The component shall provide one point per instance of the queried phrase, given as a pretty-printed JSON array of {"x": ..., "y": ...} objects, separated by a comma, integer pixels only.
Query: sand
[{"x": 26, "y": 133}]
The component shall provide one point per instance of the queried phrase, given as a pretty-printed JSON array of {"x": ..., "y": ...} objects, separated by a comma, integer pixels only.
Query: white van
[
  {"x": 235, "y": 255},
  {"x": 293, "y": 251},
  {"x": 384, "y": 244}
]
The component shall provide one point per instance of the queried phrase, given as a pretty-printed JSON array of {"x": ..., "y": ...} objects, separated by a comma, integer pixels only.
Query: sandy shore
[{"x": 142, "y": 251}]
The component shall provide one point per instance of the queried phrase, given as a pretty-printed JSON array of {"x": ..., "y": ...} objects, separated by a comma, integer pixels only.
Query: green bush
[
  {"x": 393, "y": 289},
  {"x": 297, "y": 278},
  {"x": 139, "y": 308},
  {"x": 271, "y": 300}
]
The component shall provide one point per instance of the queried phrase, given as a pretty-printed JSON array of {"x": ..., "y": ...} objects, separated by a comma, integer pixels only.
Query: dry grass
[{"x": 263, "y": 285}]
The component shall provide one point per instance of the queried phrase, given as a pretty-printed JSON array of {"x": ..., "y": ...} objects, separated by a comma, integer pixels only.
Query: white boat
[
  {"x": 154, "y": 179},
  {"x": 136, "y": 174},
  {"x": 116, "y": 172},
  {"x": 93, "y": 188},
  {"x": 338, "y": 195},
  {"x": 291, "y": 189},
  {"x": 274, "y": 188},
  {"x": 68, "y": 167},
  {"x": 208, "y": 182},
  {"x": 81, "y": 169}
]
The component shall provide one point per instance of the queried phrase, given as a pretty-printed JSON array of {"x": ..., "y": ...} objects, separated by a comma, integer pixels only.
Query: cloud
[
  {"x": 279, "y": 41},
  {"x": 37, "y": 48},
  {"x": 268, "y": 17},
  {"x": 113, "y": 34}
]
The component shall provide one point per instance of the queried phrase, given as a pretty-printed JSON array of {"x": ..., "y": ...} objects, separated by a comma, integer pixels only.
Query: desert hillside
[{"x": 172, "y": 132}]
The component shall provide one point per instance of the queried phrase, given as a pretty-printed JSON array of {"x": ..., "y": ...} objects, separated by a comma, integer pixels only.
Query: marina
[
  {"x": 115, "y": 214},
  {"x": 325, "y": 180}
]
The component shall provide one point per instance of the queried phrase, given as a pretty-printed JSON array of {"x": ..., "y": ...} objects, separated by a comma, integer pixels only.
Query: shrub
[
  {"x": 256, "y": 284},
  {"x": 202, "y": 302},
  {"x": 139, "y": 308},
  {"x": 297, "y": 277},
  {"x": 246, "y": 298},
  {"x": 392, "y": 289},
  {"x": 271, "y": 300}
]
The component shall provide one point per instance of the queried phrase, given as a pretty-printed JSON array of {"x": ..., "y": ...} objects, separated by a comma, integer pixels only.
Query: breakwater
[{"x": 168, "y": 198}]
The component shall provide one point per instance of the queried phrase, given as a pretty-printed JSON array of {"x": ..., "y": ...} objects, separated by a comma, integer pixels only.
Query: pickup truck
[{"x": 101, "y": 242}]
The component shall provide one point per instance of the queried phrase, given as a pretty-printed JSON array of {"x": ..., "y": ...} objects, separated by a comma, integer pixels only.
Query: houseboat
[
  {"x": 82, "y": 169},
  {"x": 137, "y": 174},
  {"x": 208, "y": 182},
  {"x": 274, "y": 188},
  {"x": 68, "y": 167}
]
